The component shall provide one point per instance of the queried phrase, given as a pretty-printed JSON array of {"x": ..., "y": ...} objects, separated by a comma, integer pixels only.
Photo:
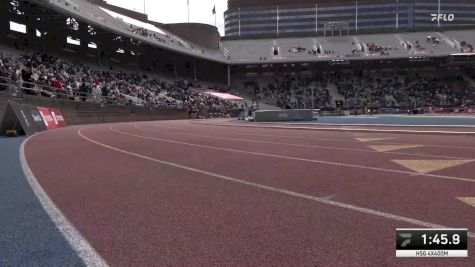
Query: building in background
[{"x": 264, "y": 18}]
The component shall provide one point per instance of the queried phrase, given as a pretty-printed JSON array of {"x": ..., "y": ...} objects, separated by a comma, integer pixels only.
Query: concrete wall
[
  {"x": 283, "y": 115},
  {"x": 89, "y": 113}
]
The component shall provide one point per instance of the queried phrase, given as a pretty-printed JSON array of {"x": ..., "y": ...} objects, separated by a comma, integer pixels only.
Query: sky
[{"x": 175, "y": 11}]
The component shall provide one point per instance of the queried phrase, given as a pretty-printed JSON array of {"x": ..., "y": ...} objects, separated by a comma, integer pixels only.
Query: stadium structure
[
  {"x": 293, "y": 140},
  {"x": 248, "y": 18},
  {"x": 100, "y": 31}
]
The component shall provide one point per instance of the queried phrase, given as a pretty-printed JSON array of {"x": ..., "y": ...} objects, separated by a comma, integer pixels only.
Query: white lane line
[
  {"x": 310, "y": 138},
  {"x": 351, "y": 117},
  {"x": 277, "y": 190},
  {"x": 78, "y": 243},
  {"x": 375, "y": 124},
  {"x": 300, "y": 145},
  {"x": 294, "y": 158},
  {"x": 431, "y": 116},
  {"x": 342, "y": 128}
]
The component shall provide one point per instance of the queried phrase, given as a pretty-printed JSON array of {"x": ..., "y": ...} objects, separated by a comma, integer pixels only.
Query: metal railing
[
  {"x": 19, "y": 88},
  {"x": 224, "y": 51}
]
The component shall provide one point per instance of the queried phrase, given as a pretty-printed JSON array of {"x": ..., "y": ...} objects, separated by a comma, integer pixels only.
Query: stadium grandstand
[
  {"x": 124, "y": 41},
  {"x": 308, "y": 135}
]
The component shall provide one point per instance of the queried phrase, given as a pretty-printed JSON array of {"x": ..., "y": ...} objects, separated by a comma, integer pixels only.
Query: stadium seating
[
  {"x": 51, "y": 76},
  {"x": 160, "y": 37},
  {"x": 356, "y": 89},
  {"x": 348, "y": 47},
  {"x": 56, "y": 76}
]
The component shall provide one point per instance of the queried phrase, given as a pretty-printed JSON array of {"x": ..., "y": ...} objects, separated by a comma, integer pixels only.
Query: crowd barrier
[{"x": 28, "y": 119}]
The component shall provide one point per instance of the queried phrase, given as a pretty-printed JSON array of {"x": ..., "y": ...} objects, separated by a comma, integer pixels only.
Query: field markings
[
  {"x": 428, "y": 166},
  {"x": 467, "y": 200},
  {"x": 373, "y": 139},
  {"x": 390, "y": 148}
]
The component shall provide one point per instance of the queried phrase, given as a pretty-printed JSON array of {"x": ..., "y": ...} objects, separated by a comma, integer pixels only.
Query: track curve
[{"x": 180, "y": 193}]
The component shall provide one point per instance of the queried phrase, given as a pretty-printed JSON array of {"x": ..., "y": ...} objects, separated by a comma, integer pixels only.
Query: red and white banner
[
  {"x": 52, "y": 118},
  {"x": 58, "y": 117},
  {"x": 47, "y": 118}
]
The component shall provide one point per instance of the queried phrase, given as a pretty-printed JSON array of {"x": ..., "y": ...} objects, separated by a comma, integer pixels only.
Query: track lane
[
  {"x": 355, "y": 158},
  {"x": 428, "y": 130},
  {"x": 169, "y": 217},
  {"x": 432, "y": 152},
  {"x": 425, "y": 152},
  {"x": 450, "y": 141},
  {"x": 447, "y": 144},
  {"x": 364, "y": 188},
  {"x": 272, "y": 239}
]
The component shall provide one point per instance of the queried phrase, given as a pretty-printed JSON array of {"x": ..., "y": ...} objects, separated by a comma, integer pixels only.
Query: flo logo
[{"x": 442, "y": 17}]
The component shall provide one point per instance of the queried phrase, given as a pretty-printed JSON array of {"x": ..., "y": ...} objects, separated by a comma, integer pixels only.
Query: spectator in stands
[
  {"x": 52, "y": 75},
  {"x": 58, "y": 87},
  {"x": 27, "y": 81},
  {"x": 3, "y": 72},
  {"x": 16, "y": 81}
]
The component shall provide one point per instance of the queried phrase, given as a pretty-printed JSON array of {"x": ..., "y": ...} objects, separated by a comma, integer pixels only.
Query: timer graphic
[{"x": 412, "y": 242}]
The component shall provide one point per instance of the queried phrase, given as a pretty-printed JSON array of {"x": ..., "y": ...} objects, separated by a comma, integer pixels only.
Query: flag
[{"x": 214, "y": 10}]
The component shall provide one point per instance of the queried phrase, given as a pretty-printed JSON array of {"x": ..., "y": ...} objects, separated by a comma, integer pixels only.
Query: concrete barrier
[
  {"x": 332, "y": 113},
  {"x": 283, "y": 115},
  {"x": 90, "y": 113}
]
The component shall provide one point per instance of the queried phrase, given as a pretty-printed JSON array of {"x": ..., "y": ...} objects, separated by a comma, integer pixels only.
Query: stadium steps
[
  {"x": 335, "y": 96},
  {"x": 390, "y": 99}
]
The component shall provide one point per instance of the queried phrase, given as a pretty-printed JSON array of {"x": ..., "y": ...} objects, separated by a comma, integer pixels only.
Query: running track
[{"x": 184, "y": 193}]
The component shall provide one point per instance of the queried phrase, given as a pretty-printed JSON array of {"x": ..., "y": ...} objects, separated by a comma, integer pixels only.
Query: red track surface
[{"x": 135, "y": 208}]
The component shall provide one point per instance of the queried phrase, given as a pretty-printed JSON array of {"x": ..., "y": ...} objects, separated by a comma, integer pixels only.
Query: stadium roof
[
  {"x": 120, "y": 24},
  {"x": 262, "y": 50}
]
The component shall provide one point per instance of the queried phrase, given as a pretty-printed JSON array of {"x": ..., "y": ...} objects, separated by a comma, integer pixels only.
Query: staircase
[
  {"x": 334, "y": 95},
  {"x": 391, "y": 99}
]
